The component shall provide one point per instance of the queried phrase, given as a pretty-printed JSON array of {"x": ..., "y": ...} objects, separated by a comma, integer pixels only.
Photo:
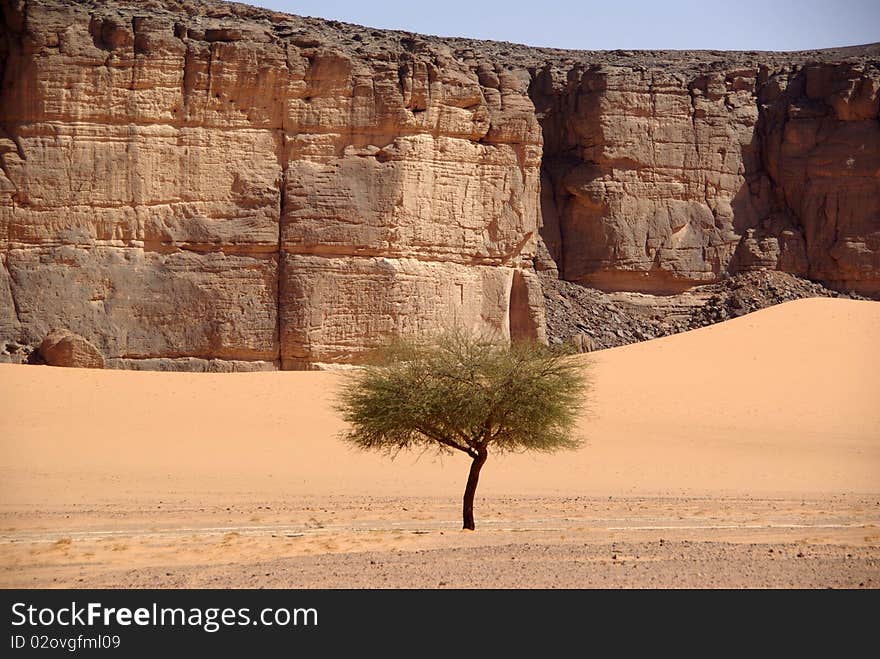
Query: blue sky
[{"x": 612, "y": 24}]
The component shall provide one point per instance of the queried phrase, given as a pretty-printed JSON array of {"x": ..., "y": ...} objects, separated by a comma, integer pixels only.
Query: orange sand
[
  {"x": 764, "y": 429},
  {"x": 785, "y": 400}
]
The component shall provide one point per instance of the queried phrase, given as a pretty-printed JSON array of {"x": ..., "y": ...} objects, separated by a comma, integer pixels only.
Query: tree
[{"x": 458, "y": 392}]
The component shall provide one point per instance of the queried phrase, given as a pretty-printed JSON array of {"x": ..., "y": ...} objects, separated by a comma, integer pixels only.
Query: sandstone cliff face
[
  {"x": 658, "y": 179},
  {"x": 208, "y": 186}
]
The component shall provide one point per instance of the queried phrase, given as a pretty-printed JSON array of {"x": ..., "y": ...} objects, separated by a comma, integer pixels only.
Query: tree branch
[{"x": 438, "y": 437}]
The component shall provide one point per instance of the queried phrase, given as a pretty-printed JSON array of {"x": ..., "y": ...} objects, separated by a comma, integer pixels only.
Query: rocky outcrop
[
  {"x": 274, "y": 192},
  {"x": 820, "y": 140},
  {"x": 589, "y": 319},
  {"x": 662, "y": 177},
  {"x": 211, "y": 186},
  {"x": 64, "y": 348}
]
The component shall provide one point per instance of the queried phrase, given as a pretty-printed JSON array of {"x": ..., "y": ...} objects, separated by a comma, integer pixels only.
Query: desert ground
[{"x": 745, "y": 454}]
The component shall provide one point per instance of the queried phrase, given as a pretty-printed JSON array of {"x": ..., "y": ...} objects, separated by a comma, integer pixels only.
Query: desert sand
[{"x": 746, "y": 454}]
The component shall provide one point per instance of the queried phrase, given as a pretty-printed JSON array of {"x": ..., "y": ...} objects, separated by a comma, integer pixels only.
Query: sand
[{"x": 725, "y": 442}]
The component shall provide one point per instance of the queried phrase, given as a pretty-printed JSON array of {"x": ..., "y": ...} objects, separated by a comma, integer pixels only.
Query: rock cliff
[
  {"x": 669, "y": 173},
  {"x": 212, "y": 186}
]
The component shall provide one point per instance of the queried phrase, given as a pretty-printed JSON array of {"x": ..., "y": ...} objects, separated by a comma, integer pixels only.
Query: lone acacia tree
[{"x": 463, "y": 393}]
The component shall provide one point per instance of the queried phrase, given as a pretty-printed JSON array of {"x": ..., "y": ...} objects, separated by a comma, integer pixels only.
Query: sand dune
[
  {"x": 786, "y": 400},
  {"x": 783, "y": 400},
  {"x": 751, "y": 447}
]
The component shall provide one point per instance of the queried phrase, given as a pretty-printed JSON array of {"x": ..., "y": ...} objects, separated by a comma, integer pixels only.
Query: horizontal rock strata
[
  {"x": 662, "y": 177},
  {"x": 211, "y": 186}
]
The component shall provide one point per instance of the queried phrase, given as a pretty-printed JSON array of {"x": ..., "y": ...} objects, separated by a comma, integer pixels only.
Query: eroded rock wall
[
  {"x": 410, "y": 196},
  {"x": 661, "y": 175},
  {"x": 142, "y": 183},
  {"x": 207, "y": 186},
  {"x": 211, "y": 186}
]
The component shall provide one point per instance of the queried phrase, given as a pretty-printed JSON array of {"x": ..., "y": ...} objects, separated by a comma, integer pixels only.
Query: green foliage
[{"x": 460, "y": 392}]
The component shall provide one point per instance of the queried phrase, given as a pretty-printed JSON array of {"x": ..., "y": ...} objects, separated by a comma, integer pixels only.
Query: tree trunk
[{"x": 471, "y": 490}]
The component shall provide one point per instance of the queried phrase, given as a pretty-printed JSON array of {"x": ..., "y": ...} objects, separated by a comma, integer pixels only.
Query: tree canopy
[{"x": 458, "y": 392}]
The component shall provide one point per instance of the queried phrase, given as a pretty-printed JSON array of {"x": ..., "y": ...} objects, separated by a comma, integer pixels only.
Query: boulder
[{"x": 62, "y": 347}]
